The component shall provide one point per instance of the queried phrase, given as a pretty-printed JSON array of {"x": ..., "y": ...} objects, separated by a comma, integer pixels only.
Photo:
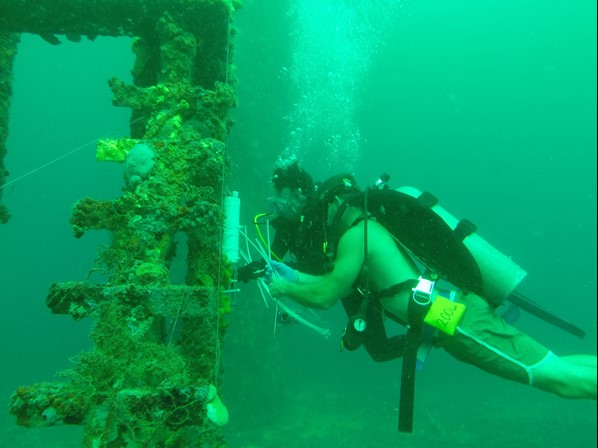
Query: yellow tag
[{"x": 445, "y": 315}]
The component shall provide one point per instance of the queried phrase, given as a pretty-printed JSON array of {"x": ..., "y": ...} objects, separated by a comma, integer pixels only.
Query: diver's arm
[
  {"x": 323, "y": 292},
  {"x": 305, "y": 279}
]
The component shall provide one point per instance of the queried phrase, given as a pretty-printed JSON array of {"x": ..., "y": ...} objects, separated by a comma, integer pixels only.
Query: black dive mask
[{"x": 287, "y": 208}]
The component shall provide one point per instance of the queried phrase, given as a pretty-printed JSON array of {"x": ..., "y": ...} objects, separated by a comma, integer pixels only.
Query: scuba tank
[
  {"x": 445, "y": 245},
  {"x": 499, "y": 274}
]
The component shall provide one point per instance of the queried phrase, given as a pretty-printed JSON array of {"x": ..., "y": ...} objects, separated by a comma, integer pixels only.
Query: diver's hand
[
  {"x": 278, "y": 288},
  {"x": 276, "y": 269},
  {"x": 251, "y": 271}
]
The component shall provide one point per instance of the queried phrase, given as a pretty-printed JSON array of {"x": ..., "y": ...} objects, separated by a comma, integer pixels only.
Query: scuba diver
[
  {"x": 300, "y": 234},
  {"x": 297, "y": 233},
  {"x": 377, "y": 270}
]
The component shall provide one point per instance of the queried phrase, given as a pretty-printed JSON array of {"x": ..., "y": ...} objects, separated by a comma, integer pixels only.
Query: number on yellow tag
[{"x": 445, "y": 315}]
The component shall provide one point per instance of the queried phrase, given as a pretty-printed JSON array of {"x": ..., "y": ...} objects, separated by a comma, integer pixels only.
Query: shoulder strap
[{"x": 365, "y": 266}]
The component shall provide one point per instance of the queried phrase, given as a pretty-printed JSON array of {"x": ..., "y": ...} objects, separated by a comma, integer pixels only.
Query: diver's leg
[
  {"x": 581, "y": 360},
  {"x": 574, "y": 380}
]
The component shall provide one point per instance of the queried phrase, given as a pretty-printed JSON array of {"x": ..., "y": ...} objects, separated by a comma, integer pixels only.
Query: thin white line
[{"x": 498, "y": 352}]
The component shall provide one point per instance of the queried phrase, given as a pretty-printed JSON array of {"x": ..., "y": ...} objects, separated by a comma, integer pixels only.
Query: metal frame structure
[{"x": 155, "y": 363}]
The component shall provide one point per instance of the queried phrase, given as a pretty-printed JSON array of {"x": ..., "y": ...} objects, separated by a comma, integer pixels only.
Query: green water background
[{"x": 492, "y": 107}]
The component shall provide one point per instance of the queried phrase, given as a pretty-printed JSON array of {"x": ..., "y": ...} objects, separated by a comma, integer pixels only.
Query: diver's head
[
  {"x": 293, "y": 177},
  {"x": 293, "y": 187}
]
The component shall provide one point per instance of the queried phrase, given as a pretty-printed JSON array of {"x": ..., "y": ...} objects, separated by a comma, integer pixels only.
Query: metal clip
[
  {"x": 362, "y": 292},
  {"x": 422, "y": 293}
]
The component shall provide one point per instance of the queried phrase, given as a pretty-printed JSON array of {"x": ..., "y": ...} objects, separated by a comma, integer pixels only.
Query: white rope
[
  {"x": 261, "y": 286},
  {"x": 247, "y": 247},
  {"x": 265, "y": 291},
  {"x": 63, "y": 156},
  {"x": 176, "y": 318}
]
